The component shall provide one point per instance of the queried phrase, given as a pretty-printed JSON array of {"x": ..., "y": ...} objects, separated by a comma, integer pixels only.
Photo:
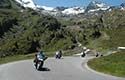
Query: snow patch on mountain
[
  {"x": 74, "y": 10},
  {"x": 100, "y": 5},
  {"x": 27, "y": 3},
  {"x": 99, "y": 9},
  {"x": 47, "y": 8}
]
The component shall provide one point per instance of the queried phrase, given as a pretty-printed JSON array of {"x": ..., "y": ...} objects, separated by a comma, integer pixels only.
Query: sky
[{"x": 71, "y": 3}]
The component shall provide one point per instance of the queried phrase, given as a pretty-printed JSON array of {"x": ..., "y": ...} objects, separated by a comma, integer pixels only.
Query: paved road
[{"x": 69, "y": 68}]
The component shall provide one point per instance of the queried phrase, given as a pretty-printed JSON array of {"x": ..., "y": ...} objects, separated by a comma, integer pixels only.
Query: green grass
[
  {"x": 15, "y": 58},
  {"x": 31, "y": 56},
  {"x": 113, "y": 64}
]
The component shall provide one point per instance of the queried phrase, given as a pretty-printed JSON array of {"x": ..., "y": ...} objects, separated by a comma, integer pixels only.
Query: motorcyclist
[
  {"x": 58, "y": 54},
  {"x": 40, "y": 56}
]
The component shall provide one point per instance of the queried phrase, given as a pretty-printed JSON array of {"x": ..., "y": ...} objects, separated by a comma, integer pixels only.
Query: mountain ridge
[{"x": 92, "y": 7}]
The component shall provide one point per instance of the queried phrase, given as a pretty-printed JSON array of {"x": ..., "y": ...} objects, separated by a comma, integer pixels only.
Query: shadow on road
[{"x": 44, "y": 69}]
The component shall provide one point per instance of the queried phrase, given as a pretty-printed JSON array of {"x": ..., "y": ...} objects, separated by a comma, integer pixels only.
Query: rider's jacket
[{"x": 40, "y": 56}]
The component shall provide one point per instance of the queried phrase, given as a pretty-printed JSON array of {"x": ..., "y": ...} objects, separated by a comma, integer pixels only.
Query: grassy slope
[
  {"x": 31, "y": 56},
  {"x": 110, "y": 40},
  {"x": 15, "y": 58},
  {"x": 113, "y": 64}
]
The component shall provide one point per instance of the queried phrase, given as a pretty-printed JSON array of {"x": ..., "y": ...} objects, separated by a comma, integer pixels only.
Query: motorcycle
[
  {"x": 58, "y": 55},
  {"x": 39, "y": 63}
]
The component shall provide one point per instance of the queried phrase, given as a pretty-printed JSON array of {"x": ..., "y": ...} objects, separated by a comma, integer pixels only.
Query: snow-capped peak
[
  {"x": 31, "y": 4},
  {"x": 96, "y": 6},
  {"x": 122, "y": 6},
  {"x": 73, "y": 10},
  {"x": 27, "y": 3},
  {"x": 93, "y": 7}
]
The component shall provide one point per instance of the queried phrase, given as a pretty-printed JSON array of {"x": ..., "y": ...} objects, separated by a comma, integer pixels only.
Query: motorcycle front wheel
[{"x": 40, "y": 65}]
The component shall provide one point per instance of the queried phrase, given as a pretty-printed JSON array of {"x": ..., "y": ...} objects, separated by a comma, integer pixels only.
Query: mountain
[
  {"x": 21, "y": 32},
  {"x": 32, "y": 5},
  {"x": 62, "y": 11},
  {"x": 27, "y": 3},
  {"x": 93, "y": 7},
  {"x": 73, "y": 11},
  {"x": 51, "y": 10},
  {"x": 96, "y": 6},
  {"x": 117, "y": 7},
  {"x": 60, "y": 8},
  {"x": 122, "y": 6},
  {"x": 47, "y": 8},
  {"x": 9, "y": 4}
]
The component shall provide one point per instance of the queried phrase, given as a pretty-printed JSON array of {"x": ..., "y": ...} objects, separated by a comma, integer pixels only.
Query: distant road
[{"x": 69, "y": 68}]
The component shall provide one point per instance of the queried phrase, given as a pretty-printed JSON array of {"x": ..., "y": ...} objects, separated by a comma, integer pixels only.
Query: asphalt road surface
[{"x": 68, "y": 68}]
